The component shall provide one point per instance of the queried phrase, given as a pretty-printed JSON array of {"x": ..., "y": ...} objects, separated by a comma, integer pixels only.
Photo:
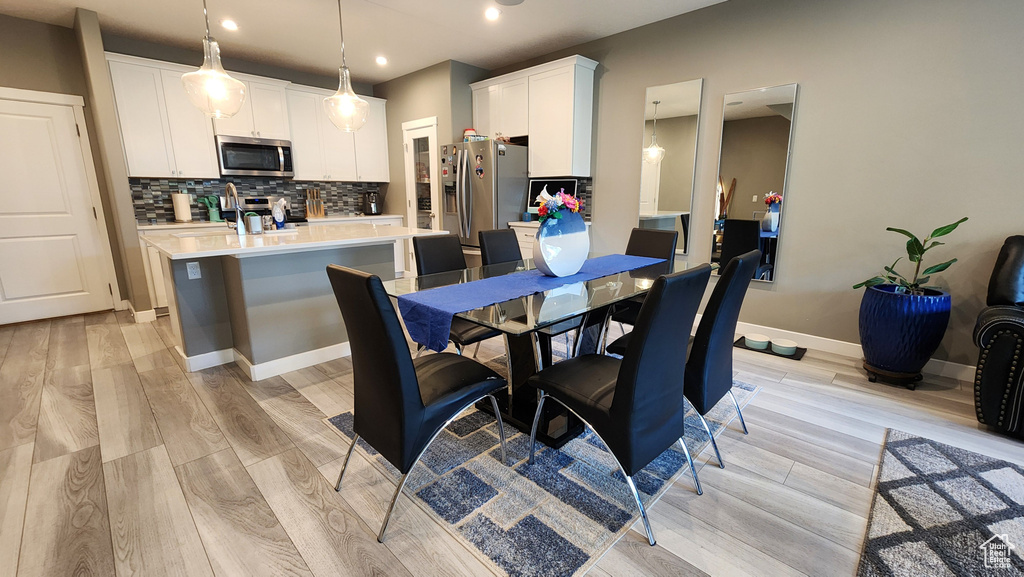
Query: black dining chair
[
  {"x": 647, "y": 242},
  {"x": 709, "y": 365},
  {"x": 401, "y": 404},
  {"x": 634, "y": 404},
  {"x": 742, "y": 236},
  {"x": 498, "y": 246},
  {"x": 443, "y": 253}
]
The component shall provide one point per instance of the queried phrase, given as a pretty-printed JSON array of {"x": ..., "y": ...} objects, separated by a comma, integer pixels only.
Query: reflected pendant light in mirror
[
  {"x": 654, "y": 154},
  {"x": 210, "y": 88},
  {"x": 345, "y": 109}
]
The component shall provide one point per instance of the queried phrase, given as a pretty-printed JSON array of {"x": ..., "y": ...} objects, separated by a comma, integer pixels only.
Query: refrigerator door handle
[
  {"x": 458, "y": 189},
  {"x": 464, "y": 207},
  {"x": 469, "y": 197}
]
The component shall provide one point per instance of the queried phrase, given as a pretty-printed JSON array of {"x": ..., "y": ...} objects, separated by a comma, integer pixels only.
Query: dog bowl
[
  {"x": 784, "y": 347},
  {"x": 754, "y": 341}
]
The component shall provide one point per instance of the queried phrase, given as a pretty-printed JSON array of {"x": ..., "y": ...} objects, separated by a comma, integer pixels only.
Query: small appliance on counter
[
  {"x": 372, "y": 204},
  {"x": 182, "y": 202}
]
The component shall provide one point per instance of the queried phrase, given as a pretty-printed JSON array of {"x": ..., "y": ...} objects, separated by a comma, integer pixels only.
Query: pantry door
[{"x": 54, "y": 256}]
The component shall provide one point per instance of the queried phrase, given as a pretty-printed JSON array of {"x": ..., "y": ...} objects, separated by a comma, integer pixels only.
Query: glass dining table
[{"x": 528, "y": 324}]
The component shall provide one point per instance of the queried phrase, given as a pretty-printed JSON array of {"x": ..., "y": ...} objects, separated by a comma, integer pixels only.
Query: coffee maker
[{"x": 372, "y": 203}]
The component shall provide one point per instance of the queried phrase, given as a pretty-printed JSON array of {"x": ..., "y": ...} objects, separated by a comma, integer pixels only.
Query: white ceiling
[
  {"x": 412, "y": 34},
  {"x": 759, "y": 102}
]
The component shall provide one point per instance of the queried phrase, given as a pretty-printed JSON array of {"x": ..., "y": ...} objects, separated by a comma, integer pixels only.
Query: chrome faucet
[{"x": 231, "y": 194}]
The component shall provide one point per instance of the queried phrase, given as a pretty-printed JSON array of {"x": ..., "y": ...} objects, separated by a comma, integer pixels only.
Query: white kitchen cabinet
[
  {"x": 163, "y": 134},
  {"x": 502, "y": 108},
  {"x": 371, "y": 144},
  {"x": 320, "y": 151},
  {"x": 552, "y": 104},
  {"x": 141, "y": 112},
  {"x": 195, "y": 151},
  {"x": 264, "y": 114}
]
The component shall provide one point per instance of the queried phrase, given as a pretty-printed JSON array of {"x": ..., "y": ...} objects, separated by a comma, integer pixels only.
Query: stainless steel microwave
[{"x": 242, "y": 156}]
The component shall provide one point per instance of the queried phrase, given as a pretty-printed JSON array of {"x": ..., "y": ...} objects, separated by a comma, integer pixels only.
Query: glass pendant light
[
  {"x": 210, "y": 88},
  {"x": 345, "y": 109},
  {"x": 653, "y": 154}
]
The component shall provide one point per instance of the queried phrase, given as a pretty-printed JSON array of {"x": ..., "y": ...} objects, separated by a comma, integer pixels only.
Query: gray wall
[
  {"x": 46, "y": 58},
  {"x": 754, "y": 153},
  {"x": 908, "y": 115}
]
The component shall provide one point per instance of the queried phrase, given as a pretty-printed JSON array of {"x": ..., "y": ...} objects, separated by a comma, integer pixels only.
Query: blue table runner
[{"x": 428, "y": 313}]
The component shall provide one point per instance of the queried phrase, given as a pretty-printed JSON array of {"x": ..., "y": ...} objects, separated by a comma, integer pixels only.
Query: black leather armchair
[{"x": 999, "y": 333}]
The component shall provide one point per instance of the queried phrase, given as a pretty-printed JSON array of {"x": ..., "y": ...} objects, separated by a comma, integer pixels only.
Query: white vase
[{"x": 562, "y": 245}]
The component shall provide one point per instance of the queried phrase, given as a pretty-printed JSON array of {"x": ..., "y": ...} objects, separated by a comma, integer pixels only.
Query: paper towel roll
[{"x": 182, "y": 206}]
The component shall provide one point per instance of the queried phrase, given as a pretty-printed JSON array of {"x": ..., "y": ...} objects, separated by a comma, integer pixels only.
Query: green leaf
[
  {"x": 933, "y": 245},
  {"x": 906, "y": 233},
  {"x": 938, "y": 268},
  {"x": 892, "y": 271},
  {"x": 914, "y": 249},
  {"x": 922, "y": 280},
  {"x": 557, "y": 215},
  {"x": 874, "y": 281},
  {"x": 944, "y": 230}
]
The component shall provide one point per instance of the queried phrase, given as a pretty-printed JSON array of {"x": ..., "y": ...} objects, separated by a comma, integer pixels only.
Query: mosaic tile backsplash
[
  {"x": 152, "y": 196},
  {"x": 585, "y": 192}
]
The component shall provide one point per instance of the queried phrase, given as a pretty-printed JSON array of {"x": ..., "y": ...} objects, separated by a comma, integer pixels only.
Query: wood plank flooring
[{"x": 114, "y": 461}]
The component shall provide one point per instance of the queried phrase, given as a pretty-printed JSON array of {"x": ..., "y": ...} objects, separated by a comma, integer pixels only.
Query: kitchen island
[{"x": 263, "y": 301}]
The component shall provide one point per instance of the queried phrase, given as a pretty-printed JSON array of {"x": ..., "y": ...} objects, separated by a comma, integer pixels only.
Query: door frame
[
  {"x": 411, "y": 130},
  {"x": 77, "y": 104}
]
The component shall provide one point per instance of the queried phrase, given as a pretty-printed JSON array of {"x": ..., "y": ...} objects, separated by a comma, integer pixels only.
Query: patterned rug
[
  {"x": 940, "y": 510},
  {"x": 556, "y": 517}
]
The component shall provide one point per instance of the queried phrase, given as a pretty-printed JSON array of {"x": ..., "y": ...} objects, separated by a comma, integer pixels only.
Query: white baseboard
[
  {"x": 205, "y": 360},
  {"x": 122, "y": 305},
  {"x": 146, "y": 316},
  {"x": 260, "y": 371},
  {"x": 853, "y": 350}
]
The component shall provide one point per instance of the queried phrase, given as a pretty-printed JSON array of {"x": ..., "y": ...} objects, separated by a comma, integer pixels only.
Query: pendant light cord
[
  {"x": 341, "y": 30},
  {"x": 654, "y": 129},
  {"x": 206, "y": 16}
]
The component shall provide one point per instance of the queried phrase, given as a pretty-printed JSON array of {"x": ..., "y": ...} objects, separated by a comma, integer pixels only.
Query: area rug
[
  {"x": 940, "y": 510},
  {"x": 555, "y": 517}
]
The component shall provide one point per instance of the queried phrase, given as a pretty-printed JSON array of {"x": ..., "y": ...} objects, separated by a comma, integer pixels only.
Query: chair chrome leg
[
  {"x": 689, "y": 461},
  {"x": 536, "y": 420},
  {"x": 718, "y": 455},
  {"x": 603, "y": 340},
  {"x": 476, "y": 350},
  {"x": 391, "y": 508},
  {"x": 344, "y": 464},
  {"x": 739, "y": 412},
  {"x": 458, "y": 348},
  {"x": 419, "y": 350},
  {"x": 501, "y": 429},
  {"x": 401, "y": 485},
  {"x": 629, "y": 480},
  {"x": 643, "y": 512}
]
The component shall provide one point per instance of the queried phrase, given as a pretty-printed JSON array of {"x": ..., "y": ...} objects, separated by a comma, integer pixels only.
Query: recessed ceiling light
[
  {"x": 382, "y": 60},
  {"x": 492, "y": 13},
  {"x": 229, "y": 24},
  {"x": 509, "y": 2},
  {"x": 734, "y": 103}
]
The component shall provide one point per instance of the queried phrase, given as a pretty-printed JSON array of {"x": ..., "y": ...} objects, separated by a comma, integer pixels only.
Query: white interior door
[
  {"x": 419, "y": 138},
  {"x": 54, "y": 256}
]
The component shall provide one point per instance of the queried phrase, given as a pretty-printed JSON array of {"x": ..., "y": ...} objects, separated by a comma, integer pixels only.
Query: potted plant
[{"x": 902, "y": 321}]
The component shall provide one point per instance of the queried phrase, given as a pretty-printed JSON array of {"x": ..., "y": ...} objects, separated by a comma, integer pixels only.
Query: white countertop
[
  {"x": 202, "y": 244},
  {"x": 663, "y": 214},
  {"x": 166, "y": 226}
]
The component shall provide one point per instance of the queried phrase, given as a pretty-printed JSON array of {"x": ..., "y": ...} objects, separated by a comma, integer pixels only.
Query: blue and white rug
[{"x": 555, "y": 517}]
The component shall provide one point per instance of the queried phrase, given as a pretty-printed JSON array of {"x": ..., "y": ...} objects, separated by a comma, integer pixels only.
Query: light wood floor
[{"x": 112, "y": 460}]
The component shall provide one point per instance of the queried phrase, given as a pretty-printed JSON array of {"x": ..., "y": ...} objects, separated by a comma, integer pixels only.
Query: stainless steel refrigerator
[{"x": 484, "y": 187}]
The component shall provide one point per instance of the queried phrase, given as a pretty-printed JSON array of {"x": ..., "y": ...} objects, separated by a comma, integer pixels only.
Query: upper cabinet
[
  {"x": 552, "y": 104},
  {"x": 372, "y": 144},
  {"x": 264, "y": 113},
  {"x": 164, "y": 136},
  {"x": 322, "y": 152}
]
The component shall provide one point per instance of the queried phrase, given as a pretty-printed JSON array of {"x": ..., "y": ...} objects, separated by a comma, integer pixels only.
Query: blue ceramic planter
[
  {"x": 900, "y": 332},
  {"x": 562, "y": 245}
]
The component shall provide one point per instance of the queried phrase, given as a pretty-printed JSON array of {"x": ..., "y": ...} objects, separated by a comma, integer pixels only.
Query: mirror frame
[
  {"x": 785, "y": 174},
  {"x": 696, "y": 140}
]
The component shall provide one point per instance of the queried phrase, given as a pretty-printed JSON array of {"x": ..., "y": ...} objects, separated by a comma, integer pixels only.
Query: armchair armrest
[{"x": 994, "y": 320}]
